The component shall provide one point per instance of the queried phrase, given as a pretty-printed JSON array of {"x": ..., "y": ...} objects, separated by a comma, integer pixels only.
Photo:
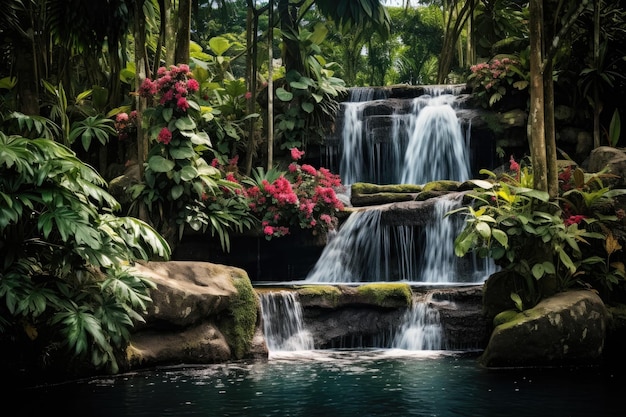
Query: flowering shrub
[
  {"x": 522, "y": 230},
  {"x": 302, "y": 196},
  {"x": 177, "y": 180},
  {"x": 490, "y": 81}
]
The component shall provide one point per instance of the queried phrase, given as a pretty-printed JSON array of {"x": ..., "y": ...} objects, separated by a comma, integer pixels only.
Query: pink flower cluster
[
  {"x": 489, "y": 75},
  {"x": 171, "y": 87},
  {"x": 126, "y": 125},
  {"x": 303, "y": 196}
]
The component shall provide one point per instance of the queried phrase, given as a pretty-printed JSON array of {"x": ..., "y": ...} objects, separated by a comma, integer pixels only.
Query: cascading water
[
  {"x": 427, "y": 144},
  {"x": 362, "y": 252},
  {"x": 437, "y": 148},
  {"x": 283, "y": 324},
  {"x": 422, "y": 144},
  {"x": 421, "y": 329}
]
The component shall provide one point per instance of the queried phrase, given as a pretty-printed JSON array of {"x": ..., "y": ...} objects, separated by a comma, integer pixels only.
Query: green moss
[
  {"x": 442, "y": 185},
  {"x": 360, "y": 188},
  {"x": 504, "y": 317},
  {"x": 328, "y": 293},
  {"x": 386, "y": 294},
  {"x": 239, "y": 323}
]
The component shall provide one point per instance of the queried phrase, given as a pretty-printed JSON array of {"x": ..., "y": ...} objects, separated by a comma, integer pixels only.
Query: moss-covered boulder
[
  {"x": 568, "y": 328},
  {"x": 385, "y": 294},
  {"x": 365, "y": 194},
  {"x": 201, "y": 313}
]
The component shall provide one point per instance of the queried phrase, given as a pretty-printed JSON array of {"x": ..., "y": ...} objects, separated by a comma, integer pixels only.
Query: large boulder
[
  {"x": 201, "y": 313},
  {"x": 566, "y": 329}
]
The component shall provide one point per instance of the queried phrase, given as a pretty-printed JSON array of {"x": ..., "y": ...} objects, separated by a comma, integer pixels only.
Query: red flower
[
  {"x": 574, "y": 219},
  {"x": 165, "y": 136},
  {"x": 514, "y": 165},
  {"x": 296, "y": 154}
]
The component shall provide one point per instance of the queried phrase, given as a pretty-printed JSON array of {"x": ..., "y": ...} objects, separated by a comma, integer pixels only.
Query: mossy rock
[
  {"x": 326, "y": 296},
  {"x": 392, "y": 295},
  {"x": 427, "y": 195},
  {"x": 441, "y": 185},
  {"x": 360, "y": 188},
  {"x": 361, "y": 200},
  {"x": 239, "y": 321}
]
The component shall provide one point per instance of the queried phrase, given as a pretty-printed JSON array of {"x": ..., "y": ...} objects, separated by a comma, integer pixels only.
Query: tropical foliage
[
  {"x": 521, "y": 229},
  {"x": 62, "y": 278}
]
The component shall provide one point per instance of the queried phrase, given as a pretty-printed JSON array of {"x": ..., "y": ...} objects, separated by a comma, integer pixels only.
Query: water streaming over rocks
[{"x": 282, "y": 322}]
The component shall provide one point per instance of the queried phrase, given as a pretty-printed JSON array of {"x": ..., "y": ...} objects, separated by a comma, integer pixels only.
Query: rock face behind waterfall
[{"x": 566, "y": 329}]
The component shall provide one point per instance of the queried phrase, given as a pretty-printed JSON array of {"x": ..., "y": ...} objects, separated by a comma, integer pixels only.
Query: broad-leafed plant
[{"x": 63, "y": 254}]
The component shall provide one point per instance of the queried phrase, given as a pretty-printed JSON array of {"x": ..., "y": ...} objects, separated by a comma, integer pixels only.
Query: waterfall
[
  {"x": 283, "y": 324},
  {"x": 421, "y": 328},
  {"x": 437, "y": 149},
  {"x": 423, "y": 144},
  {"x": 438, "y": 263},
  {"x": 363, "y": 250},
  {"x": 353, "y": 252}
]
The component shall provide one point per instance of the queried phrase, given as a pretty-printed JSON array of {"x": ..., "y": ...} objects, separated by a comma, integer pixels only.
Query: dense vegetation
[{"x": 208, "y": 106}]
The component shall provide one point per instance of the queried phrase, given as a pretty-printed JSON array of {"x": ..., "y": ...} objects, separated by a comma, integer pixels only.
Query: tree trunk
[
  {"x": 169, "y": 34},
  {"x": 141, "y": 64},
  {"x": 270, "y": 87},
  {"x": 183, "y": 34},
  {"x": 251, "y": 71},
  {"x": 291, "y": 49},
  {"x": 597, "y": 105},
  {"x": 536, "y": 117},
  {"x": 451, "y": 37},
  {"x": 550, "y": 132}
]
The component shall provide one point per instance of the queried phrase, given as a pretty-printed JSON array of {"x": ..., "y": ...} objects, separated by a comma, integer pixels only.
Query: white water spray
[
  {"x": 421, "y": 329},
  {"x": 283, "y": 323}
]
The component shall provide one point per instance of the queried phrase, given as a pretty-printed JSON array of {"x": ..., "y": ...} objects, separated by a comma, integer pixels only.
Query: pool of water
[{"x": 336, "y": 383}]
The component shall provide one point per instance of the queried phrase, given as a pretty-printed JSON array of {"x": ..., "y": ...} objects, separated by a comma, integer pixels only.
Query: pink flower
[
  {"x": 121, "y": 117},
  {"x": 268, "y": 230},
  {"x": 193, "y": 85},
  {"x": 148, "y": 88},
  {"x": 248, "y": 95},
  {"x": 296, "y": 154},
  {"x": 514, "y": 165},
  {"x": 165, "y": 136},
  {"x": 309, "y": 169},
  {"x": 182, "y": 104},
  {"x": 574, "y": 219}
]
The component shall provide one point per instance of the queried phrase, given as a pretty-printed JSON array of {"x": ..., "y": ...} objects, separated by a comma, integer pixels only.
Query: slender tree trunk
[
  {"x": 170, "y": 33},
  {"x": 550, "y": 132},
  {"x": 536, "y": 117},
  {"x": 597, "y": 105},
  {"x": 452, "y": 35},
  {"x": 141, "y": 64},
  {"x": 183, "y": 35},
  {"x": 270, "y": 88},
  {"x": 251, "y": 71}
]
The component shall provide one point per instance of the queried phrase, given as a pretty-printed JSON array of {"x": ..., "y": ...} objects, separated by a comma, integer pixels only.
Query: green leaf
[
  {"x": 538, "y": 271},
  {"x": 185, "y": 123},
  {"x": 484, "y": 230},
  {"x": 283, "y": 94},
  {"x": 167, "y": 113},
  {"x": 518, "y": 301},
  {"x": 501, "y": 237},
  {"x": 219, "y": 45},
  {"x": 177, "y": 191},
  {"x": 159, "y": 164},
  {"x": 188, "y": 173},
  {"x": 308, "y": 107}
]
